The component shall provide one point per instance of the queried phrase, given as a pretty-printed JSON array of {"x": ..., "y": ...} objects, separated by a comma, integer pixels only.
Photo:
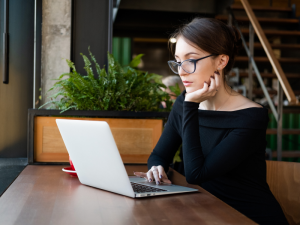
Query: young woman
[{"x": 223, "y": 134}]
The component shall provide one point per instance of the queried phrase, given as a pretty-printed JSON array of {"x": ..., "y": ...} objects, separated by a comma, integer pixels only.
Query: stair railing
[
  {"x": 270, "y": 54},
  {"x": 283, "y": 84}
]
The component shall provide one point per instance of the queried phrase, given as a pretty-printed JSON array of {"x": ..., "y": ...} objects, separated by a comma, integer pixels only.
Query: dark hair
[{"x": 212, "y": 36}]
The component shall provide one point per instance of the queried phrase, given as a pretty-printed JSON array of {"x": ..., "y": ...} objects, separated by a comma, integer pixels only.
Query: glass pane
[
  {"x": 174, "y": 67},
  {"x": 188, "y": 66}
]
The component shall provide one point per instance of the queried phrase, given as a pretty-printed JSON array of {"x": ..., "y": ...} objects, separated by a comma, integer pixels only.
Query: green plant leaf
[
  {"x": 136, "y": 61},
  {"x": 122, "y": 88},
  {"x": 176, "y": 90},
  {"x": 177, "y": 156}
]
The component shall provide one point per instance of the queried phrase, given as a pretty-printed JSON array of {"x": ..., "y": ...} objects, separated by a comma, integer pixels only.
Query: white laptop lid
[{"x": 95, "y": 155}]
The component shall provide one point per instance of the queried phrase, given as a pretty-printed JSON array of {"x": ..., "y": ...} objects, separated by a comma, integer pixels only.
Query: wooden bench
[{"x": 284, "y": 181}]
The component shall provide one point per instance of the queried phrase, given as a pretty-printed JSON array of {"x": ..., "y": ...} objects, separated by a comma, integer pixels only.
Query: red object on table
[
  {"x": 71, "y": 163},
  {"x": 70, "y": 171}
]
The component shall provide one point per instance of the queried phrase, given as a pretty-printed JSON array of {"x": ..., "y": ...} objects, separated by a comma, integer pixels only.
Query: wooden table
[{"x": 46, "y": 195}]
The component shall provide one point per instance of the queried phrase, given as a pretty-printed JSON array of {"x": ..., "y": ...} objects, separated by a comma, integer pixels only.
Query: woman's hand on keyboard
[{"x": 156, "y": 173}]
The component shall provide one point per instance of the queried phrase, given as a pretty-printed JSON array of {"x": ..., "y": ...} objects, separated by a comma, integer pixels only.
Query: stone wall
[{"x": 56, "y": 42}]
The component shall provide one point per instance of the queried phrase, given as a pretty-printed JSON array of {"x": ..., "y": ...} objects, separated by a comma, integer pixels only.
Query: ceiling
[{"x": 159, "y": 18}]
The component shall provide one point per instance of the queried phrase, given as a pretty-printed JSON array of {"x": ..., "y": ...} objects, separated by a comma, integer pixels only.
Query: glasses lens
[
  {"x": 173, "y": 66},
  {"x": 188, "y": 66}
]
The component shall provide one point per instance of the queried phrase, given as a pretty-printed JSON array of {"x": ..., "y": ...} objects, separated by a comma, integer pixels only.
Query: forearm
[
  {"x": 192, "y": 152},
  {"x": 166, "y": 147}
]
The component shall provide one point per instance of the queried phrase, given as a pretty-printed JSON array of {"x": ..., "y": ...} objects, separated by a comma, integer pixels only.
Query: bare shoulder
[{"x": 242, "y": 102}]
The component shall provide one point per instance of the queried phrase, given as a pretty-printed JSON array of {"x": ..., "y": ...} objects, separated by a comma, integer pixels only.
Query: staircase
[{"x": 282, "y": 29}]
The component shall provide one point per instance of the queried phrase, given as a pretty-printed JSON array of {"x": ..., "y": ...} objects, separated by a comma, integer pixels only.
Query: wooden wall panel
[
  {"x": 135, "y": 138},
  {"x": 52, "y": 142}
]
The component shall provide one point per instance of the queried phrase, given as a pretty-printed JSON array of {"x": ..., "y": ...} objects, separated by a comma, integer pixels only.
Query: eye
[{"x": 188, "y": 61}]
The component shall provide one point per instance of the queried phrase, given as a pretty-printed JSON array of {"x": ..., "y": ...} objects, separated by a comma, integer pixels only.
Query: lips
[{"x": 186, "y": 83}]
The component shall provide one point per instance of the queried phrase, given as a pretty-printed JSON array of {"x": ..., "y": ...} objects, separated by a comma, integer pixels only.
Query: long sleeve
[
  {"x": 223, "y": 158},
  {"x": 166, "y": 147}
]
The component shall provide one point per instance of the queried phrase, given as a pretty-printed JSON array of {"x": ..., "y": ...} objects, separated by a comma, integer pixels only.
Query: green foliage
[
  {"x": 176, "y": 90},
  {"x": 121, "y": 89},
  {"x": 177, "y": 156}
]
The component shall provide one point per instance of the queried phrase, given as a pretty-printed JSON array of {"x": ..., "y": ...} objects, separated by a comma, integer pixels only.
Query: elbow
[{"x": 192, "y": 180}]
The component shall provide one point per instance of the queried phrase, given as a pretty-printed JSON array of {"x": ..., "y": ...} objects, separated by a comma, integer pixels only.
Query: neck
[{"x": 218, "y": 101}]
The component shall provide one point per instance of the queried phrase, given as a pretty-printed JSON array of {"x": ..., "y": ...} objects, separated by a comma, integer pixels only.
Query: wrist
[
  {"x": 191, "y": 100},
  {"x": 187, "y": 99}
]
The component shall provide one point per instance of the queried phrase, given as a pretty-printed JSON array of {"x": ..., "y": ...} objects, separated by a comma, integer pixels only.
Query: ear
[{"x": 222, "y": 61}]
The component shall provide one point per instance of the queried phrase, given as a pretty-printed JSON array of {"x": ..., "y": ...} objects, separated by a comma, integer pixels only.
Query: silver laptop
[{"x": 98, "y": 163}]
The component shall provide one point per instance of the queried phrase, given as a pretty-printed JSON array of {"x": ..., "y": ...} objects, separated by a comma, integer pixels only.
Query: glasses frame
[{"x": 192, "y": 60}]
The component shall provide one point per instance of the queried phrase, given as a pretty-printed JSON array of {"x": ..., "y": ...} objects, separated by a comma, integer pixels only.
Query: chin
[
  {"x": 187, "y": 90},
  {"x": 190, "y": 89}
]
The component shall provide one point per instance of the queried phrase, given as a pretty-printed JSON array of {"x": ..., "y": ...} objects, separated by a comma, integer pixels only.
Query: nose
[{"x": 181, "y": 72}]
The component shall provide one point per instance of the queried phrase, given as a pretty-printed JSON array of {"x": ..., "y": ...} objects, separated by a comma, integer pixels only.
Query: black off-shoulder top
[{"x": 224, "y": 153}]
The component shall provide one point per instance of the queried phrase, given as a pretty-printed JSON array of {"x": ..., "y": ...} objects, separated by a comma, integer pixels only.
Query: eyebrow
[{"x": 189, "y": 54}]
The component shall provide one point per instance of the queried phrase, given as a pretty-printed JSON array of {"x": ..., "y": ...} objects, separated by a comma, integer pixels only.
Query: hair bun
[{"x": 237, "y": 41}]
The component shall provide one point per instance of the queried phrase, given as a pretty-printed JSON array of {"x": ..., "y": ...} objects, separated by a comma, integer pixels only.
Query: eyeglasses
[{"x": 188, "y": 65}]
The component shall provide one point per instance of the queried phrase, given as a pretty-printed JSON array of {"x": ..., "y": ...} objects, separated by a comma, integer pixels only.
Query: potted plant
[{"x": 127, "y": 98}]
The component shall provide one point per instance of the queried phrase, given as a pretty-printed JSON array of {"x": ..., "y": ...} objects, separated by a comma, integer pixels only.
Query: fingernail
[
  {"x": 205, "y": 82},
  {"x": 212, "y": 77},
  {"x": 160, "y": 176},
  {"x": 217, "y": 72},
  {"x": 157, "y": 182},
  {"x": 150, "y": 180}
]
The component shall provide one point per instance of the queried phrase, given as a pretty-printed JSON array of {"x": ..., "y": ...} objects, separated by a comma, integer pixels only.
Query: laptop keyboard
[{"x": 140, "y": 188}]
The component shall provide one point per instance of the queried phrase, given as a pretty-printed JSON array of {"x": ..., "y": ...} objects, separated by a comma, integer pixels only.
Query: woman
[{"x": 223, "y": 134}]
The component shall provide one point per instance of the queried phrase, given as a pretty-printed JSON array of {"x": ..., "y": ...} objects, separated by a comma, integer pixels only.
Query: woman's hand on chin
[{"x": 205, "y": 92}]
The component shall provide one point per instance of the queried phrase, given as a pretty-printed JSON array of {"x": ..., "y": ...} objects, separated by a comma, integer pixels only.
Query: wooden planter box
[{"x": 135, "y": 133}]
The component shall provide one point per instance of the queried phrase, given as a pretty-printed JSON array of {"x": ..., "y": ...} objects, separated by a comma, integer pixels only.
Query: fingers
[
  {"x": 215, "y": 83},
  {"x": 140, "y": 174},
  {"x": 166, "y": 180},
  {"x": 160, "y": 172},
  {"x": 155, "y": 174},
  {"x": 150, "y": 176},
  {"x": 203, "y": 89},
  {"x": 217, "y": 79},
  {"x": 205, "y": 86},
  {"x": 212, "y": 86},
  {"x": 162, "y": 175}
]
